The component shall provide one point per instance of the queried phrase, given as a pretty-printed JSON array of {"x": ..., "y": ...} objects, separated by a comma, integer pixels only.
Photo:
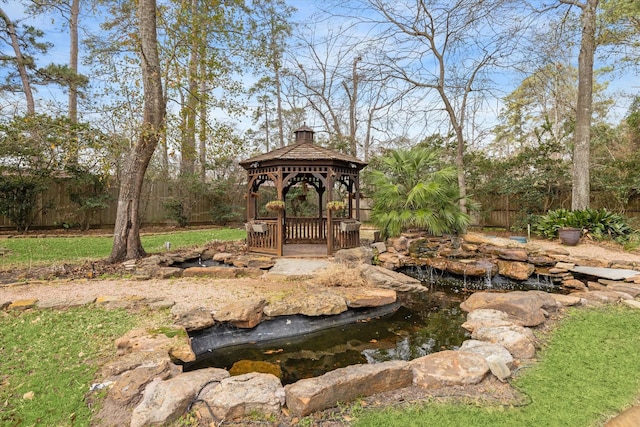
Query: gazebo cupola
[{"x": 275, "y": 219}]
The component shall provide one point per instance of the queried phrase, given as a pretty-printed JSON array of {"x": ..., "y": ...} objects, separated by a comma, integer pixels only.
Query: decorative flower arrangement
[
  {"x": 275, "y": 205},
  {"x": 336, "y": 205}
]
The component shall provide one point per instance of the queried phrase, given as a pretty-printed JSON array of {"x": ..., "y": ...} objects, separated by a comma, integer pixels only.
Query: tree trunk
[
  {"x": 73, "y": 60},
  {"x": 582, "y": 134},
  {"x": 20, "y": 63},
  {"x": 126, "y": 236}
]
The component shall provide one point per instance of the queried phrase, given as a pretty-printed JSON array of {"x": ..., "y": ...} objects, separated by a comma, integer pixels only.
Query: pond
[{"x": 421, "y": 324}]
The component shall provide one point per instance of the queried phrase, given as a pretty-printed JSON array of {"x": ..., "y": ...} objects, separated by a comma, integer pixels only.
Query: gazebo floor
[{"x": 305, "y": 251}]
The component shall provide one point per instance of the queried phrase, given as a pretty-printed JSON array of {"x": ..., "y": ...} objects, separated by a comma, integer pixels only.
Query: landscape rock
[
  {"x": 368, "y": 297},
  {"x": 487, "y": 349},
  {"x": 242, "y": 314},
  {"x": 354, "y": 257},
  {"x": 391, "y": 260},
  {"x": 212, "y": 272},
  {"x": 23, "y": 304},
  {"x": 172, "y": 340},
  {"x": 632, "y": 303},
  {"x": 469, "y": 269},
  {"x": 486, "y": 317},
  {"x": 194, "y": 318},
  {"x": 320, "y": 304},
  {"x": 627, "y": 288},
  {"x": 628, "y": 418},
  {"x": 517, "y": 340},
  {"x": 574, "y": 284},
  {"x": 508, "y": 254},
  {"x": 540, "y": 260},
  {"x": 566, "y": 300},
  {"x": 528, "y": 308},
  {"x": 515, "y": 270},
  {"x": 601, "y": 297},
  {"x": 57, "y": 304},
  {"x": 223, "y": 257},
  {"x": 498, "y": 368},
  {"x": 400, "y": 244},
  {"x": 237, "y": 397},
  {"x": 128, "y": 387},
  {"x": 345, "y": 384},
  {"x": 382, "y": 278},
  {"x": 448, "y": 368},
  {"x": 379, "y": 247},
  {"x": 164, "y": 401},
  {"x": 168, "y": 272}
]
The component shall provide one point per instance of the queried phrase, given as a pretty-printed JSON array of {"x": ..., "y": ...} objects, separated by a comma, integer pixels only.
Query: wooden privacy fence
[
  {"x": 503, "y": 211},
  {"x": 56, "y": 210}
]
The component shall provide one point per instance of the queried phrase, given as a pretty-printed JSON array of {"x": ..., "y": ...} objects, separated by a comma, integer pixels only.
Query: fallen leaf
[
  {"x": 28, "y": 396},
  {"x": 373, "y": 341}
]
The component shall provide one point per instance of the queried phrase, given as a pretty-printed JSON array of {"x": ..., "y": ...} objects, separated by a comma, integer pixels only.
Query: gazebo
[{"x": 280, "y": 180}]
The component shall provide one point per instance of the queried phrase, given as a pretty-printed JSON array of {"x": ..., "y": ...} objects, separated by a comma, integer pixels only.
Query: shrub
[{"x": 597, "y": 224}]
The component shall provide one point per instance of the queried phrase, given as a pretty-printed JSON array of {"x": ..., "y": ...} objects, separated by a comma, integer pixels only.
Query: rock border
[{"x": 145, "y": 386}]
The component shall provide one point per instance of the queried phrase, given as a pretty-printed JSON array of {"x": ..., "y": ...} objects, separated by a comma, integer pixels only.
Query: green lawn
[
  {"x": 38, "y": 251},
  {"x": 48, "y": 360},
  {"x": 589, "y": 372}
]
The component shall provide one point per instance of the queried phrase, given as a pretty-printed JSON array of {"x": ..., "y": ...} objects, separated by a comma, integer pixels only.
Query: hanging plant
[
  {"x": 336, "y": 206},
  {"x": 275, "y": 205}
]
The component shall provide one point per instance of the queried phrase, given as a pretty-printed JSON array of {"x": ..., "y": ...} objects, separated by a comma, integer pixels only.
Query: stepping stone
[{"x": 605, "y": 273}]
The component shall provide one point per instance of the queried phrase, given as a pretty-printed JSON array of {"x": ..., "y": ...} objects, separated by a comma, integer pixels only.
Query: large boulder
[
  {"x": 321, "y": 304},
  {"x": 515, "y": 270},
  {"x": 163, "y": 402},
  {"x": 237, "y": 397},
  {"x": 368, "y": 297},
  {"x": 448, "y": 368},
  {"x": 528, "y": 308},
  {"x": 128, "y": 386},
  {"x": 242, "y": 314},
  {"x": 354, "y": 257},
  {"x": 345, "y": 384},
  {"x": 380, "y": 277}
]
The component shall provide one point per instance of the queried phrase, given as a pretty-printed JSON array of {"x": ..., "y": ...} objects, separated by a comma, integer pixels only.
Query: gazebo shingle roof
[{"x": 302, "y": 151}]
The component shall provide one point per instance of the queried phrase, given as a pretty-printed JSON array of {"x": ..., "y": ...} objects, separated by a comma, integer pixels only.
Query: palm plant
[{"x": 413, "y": 189}]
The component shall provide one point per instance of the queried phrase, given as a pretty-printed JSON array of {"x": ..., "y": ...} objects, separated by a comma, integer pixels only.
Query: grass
[
  {"x": 26, "y": 252},
  {"x": 588, "y": 372},
  {"x": 49, "y": 358}
]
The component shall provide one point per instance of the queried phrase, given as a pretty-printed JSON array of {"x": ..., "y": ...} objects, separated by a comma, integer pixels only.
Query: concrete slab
[
  {"x": 298, "y": 267},
  {"x": 605, "y": 273}
]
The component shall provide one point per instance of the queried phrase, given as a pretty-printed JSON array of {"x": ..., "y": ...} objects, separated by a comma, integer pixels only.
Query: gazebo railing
[
  {"x": 262, "y": 236},
  {"x": 305, "y": 230}
]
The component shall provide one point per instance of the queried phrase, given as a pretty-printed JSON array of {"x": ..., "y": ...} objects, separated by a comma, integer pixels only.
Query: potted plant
[
  {"x": 259, "y": 227},
  {"x": 275, "y": 205},
  {"x": 349, "y": 225},
  {"x": 569, "y": 236},
  {"x": 336, "y": 206}
]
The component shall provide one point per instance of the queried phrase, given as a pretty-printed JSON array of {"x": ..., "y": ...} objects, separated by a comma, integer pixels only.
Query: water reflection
[{"x": 426, "y": 323}]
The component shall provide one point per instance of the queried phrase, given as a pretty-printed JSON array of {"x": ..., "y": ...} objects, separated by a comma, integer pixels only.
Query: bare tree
[
  {"x": 126, "y": 236},
  {"x": 446, "y": 48}
]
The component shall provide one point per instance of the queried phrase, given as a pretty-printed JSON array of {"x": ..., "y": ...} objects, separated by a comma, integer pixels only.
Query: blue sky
[{"x": 622, "y": 87}]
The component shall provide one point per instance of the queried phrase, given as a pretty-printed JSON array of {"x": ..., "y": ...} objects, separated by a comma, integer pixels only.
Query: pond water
[{"x": 423, "y": 324}]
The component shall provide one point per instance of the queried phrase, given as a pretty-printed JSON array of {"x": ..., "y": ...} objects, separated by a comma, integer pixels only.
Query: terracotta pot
[{"x": 569, "y": 236}]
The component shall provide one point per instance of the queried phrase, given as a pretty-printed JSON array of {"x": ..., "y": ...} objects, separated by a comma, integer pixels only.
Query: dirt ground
[{"x": 73, "y": 283}]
